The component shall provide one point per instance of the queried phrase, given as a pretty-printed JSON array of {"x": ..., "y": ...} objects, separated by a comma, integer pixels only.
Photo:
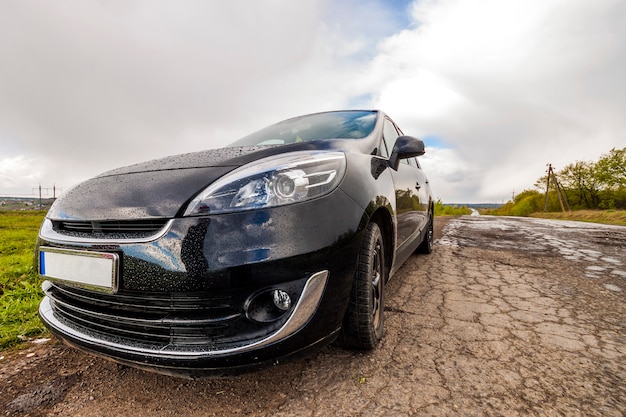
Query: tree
[
  {"x": 587, "y": 185},
  {"x": 611, "y": 174},
  {"x": 611, "y": 169},
  {"x": 527, "y": 202},
  {"x": 581, "y": 185}
]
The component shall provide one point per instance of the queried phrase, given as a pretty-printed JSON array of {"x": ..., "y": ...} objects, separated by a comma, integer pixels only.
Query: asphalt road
[{"x": 508, "y": 317}]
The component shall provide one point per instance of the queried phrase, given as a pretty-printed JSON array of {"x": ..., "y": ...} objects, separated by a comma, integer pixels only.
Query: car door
[
  {"x": 407, "y": 186},
  {"x": 423, "y": 193}
]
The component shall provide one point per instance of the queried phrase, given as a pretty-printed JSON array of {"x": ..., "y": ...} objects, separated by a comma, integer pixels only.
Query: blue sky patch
[
  {"x": 362, "y": 101},
  {"x": 433, "y": 141}
]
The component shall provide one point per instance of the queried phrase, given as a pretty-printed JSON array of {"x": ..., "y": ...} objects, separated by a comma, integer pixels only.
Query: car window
[
  {"x": 390, "y": 133},
  {"x": 331, "y": 125},
  {"x": 384, "y": 149}
]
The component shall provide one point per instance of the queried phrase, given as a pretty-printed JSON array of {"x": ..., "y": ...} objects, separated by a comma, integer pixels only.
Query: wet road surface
[{"x": 508, "y": 316}]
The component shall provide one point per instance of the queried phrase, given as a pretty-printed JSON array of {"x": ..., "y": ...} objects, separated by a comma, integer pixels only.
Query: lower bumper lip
[{"x": 302, "y": 313}]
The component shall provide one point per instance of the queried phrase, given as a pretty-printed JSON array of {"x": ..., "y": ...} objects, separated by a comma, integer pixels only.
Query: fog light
[
  {"x": 268, "y": 306},
  {"x": 282, "y": 300}
]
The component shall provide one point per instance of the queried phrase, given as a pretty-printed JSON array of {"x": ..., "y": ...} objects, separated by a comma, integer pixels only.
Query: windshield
[{"x": 332, "y": 125}]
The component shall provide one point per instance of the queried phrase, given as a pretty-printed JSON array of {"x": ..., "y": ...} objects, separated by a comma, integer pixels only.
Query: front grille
[
  {"x": 109, "y": 228},
  {"x": 162, "y": 321}
]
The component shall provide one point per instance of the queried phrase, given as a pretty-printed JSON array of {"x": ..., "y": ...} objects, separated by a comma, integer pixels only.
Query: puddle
[
  {"x": 573, "y": 241},
  {"x": 612, "y": 287},
  {"x": 612, "y": 261},
  {"x": 596, "y": 268}
]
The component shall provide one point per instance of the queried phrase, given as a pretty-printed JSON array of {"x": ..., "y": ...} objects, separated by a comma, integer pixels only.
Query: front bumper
[
  {"x": 200, "y": 357},
  {"x": 182, "y": 301}
]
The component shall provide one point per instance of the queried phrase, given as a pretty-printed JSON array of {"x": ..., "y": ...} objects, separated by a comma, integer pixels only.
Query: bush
[
  {"x": 525, "y": 207},
  {"x": 442, "y": 209}
]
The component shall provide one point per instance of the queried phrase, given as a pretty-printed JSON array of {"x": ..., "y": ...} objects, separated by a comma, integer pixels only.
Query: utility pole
[
  {"x": 47, "y": 191},
  {"x": 545, "y": 202},
  {"x": 559, "y": 191}
]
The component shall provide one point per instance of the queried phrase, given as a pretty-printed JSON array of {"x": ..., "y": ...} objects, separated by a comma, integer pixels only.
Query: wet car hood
[{"x": 159, "y": 188}]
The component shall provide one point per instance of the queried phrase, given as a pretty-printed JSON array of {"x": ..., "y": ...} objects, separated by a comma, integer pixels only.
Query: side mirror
[{"x": 405, "y": 147}]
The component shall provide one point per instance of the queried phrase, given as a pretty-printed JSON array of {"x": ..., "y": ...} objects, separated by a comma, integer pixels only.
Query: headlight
[{"x": 274, "y": 181}]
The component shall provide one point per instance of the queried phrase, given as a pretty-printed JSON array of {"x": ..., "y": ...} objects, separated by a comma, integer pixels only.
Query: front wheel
[{"x": 363, "y": 322}]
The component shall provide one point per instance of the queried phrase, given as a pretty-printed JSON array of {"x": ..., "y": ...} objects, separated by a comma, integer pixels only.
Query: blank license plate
[{"x": 97, "y": 270}]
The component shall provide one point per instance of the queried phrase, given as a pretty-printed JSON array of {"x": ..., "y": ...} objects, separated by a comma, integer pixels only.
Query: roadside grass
[
  {"x": 450, "y": 210},
  {"x": 20, "y": 290},
  {"x": 615, "y": 217}
]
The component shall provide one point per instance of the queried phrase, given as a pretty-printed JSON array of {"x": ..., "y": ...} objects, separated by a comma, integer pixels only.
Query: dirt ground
[{"x": 507, "y": 317}]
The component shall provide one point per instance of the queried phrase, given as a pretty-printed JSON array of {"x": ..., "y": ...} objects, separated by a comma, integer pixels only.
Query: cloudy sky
[{"x": 497, "y": 88}]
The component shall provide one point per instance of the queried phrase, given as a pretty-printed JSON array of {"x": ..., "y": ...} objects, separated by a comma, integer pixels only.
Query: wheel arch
[{"x": 384, "y": 220}]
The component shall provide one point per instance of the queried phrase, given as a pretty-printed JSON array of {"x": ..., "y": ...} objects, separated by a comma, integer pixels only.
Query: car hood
[{"x": 159, "y": 188}]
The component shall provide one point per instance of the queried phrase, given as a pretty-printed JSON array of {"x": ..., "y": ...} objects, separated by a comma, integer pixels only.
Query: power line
[{"x": 47, "y": 189}]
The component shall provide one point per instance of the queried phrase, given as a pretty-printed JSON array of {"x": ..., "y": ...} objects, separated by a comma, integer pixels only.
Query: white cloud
[
  {"x": 86, "y": 86},
  {"x": 510, "y": 85},
  {"x": 16, "y": 171},
  {"x": 95, "y": 85},
  {"x": 420, "y": 93},
  {"x": 448, "y": 174}
]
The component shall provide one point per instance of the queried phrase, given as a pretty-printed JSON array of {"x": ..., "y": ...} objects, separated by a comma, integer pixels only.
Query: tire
[
  {"x": 427, "y": 244},
  {"x": 363, "y": 322}
]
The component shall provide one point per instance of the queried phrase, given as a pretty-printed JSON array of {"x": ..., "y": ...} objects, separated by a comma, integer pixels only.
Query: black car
[{"x": 226, "y": 259}]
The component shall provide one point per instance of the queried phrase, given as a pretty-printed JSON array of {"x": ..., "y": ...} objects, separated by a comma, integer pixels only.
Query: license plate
[{"x": 94, "y": 270}]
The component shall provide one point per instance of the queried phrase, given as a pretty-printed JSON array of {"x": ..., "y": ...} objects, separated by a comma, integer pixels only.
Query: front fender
[{"x": 369, "y": 183}]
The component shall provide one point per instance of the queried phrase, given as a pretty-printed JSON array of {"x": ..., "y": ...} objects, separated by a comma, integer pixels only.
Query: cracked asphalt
[{"x": 507, "y": 317}]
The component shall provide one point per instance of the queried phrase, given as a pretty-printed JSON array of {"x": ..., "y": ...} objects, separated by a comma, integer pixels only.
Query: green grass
[
  {"x": 446, "y": 210},
  {"x": 615, "y": 217},
  {"x": 20, "y": 290}
]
